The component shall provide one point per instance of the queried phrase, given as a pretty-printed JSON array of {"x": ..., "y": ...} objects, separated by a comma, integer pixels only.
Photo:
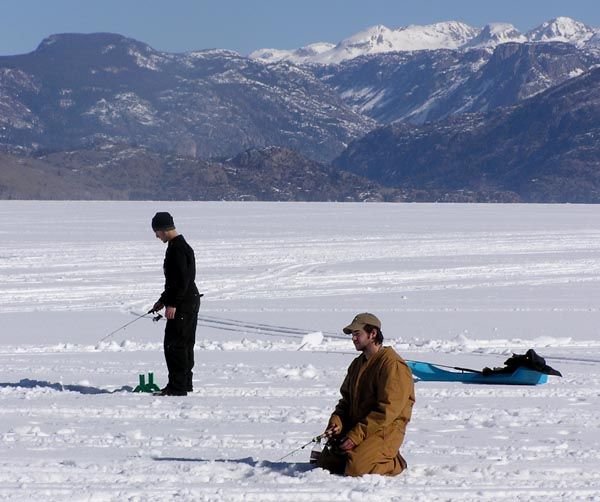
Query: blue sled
[{"x": 430, "y": 373}]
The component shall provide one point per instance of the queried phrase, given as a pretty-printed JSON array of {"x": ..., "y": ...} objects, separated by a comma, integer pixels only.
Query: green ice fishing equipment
[{"x": 147, "y": 387}]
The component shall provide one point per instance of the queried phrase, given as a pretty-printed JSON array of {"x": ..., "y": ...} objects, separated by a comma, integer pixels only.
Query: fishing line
[
  {"x": 268, "y": 327},
  {"x": 235, "y": 325},
  {"x": 139, "y": 316}
]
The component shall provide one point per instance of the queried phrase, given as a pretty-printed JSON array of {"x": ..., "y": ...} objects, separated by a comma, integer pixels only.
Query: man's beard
[{"x": 359, "y": 346}]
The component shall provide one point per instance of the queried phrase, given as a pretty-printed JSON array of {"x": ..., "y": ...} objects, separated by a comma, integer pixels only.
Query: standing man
[
  {"x": 181, "y": 302},
  {"x": 367, "y": 427}
]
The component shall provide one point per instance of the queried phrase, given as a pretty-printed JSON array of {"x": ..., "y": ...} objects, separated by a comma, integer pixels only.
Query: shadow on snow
[
  {"x": 82, "y": 389},
  {"x": 285, "y": 468}
]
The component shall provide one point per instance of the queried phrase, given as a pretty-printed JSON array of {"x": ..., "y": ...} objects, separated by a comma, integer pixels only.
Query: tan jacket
[{"x": 377, "y": 397}]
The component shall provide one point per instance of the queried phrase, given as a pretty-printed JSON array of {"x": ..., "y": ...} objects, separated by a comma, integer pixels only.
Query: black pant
[{"x": 180, "y": 337}]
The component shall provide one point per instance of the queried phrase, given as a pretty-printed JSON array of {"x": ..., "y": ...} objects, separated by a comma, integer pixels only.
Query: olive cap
[{"x": 360, "y": 321}]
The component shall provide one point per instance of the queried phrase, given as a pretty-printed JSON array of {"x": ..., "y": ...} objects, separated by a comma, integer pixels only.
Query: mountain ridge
[
  {"x": 217, "y": 124},
  {"x": 452, "y": 35},
  {"x": 79, "y": 90},
  {"x": 544, "y": 149}
]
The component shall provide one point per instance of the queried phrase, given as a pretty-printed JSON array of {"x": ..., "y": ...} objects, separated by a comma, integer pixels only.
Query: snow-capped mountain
[
  {"x": 380, "y": 39},
  {"x": 562, "y": 29},
  {"x": 495, "y": 34},
  {"x": 375, "y": 40},
  {"x": 301, "y": 55},
  {"x": 422, "y": 86},
  {"x": 451, "y": 35},
  {"x": 83, "y": 92}
]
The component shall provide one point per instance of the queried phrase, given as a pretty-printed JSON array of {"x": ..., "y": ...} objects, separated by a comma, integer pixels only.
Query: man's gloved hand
[
  {"x": 332, "y": 430},
  {"x": 157, "y": 306}
]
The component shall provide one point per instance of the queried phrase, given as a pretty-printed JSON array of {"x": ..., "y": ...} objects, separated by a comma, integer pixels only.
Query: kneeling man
[{"x": 367, "y": 427}]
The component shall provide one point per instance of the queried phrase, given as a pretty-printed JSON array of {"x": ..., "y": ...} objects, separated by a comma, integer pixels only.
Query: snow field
[{"x": 454, "y": 284}]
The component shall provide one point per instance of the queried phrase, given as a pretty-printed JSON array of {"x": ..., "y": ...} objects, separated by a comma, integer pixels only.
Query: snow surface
[{"x": 461, "y": 285}]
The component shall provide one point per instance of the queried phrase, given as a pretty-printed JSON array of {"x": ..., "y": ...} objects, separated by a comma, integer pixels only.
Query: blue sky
[{"x": 246, "y": 25}]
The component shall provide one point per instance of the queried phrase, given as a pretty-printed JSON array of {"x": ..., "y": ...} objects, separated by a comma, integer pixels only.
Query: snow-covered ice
[{"x": 462, "y": 285}]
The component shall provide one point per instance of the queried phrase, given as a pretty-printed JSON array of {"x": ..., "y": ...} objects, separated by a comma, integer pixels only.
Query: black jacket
[{"x": 180, "y": 273}]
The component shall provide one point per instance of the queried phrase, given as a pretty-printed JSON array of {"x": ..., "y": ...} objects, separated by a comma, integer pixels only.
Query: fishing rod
[
  {"x": 155, "y": 318},
  {"x": 316, "y": 439}
]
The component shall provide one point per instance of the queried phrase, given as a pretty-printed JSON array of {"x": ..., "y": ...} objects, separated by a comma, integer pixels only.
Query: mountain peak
[
  {"x": 562, "y": 29},
  {"x": 494, "y": 34},
  {"x": 88, "y": 48},
  {"x": 78, "y": 41},
  {"x": 380, "y": 39},
  {"x": 451, "y": 35},
  {"x": 375, "y": 39},
  {"x": 302, "y": 55}
]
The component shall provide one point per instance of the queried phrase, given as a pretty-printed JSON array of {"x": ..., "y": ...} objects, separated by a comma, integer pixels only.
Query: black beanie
[{"x": 162, "y": 221}]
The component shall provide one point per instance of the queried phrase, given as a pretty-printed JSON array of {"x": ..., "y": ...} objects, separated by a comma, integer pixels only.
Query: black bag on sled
[{"x": 529, "y": 360}]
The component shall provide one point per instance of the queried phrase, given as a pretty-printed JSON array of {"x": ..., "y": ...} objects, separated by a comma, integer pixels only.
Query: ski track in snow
[{"x": 454, "y": 284}]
